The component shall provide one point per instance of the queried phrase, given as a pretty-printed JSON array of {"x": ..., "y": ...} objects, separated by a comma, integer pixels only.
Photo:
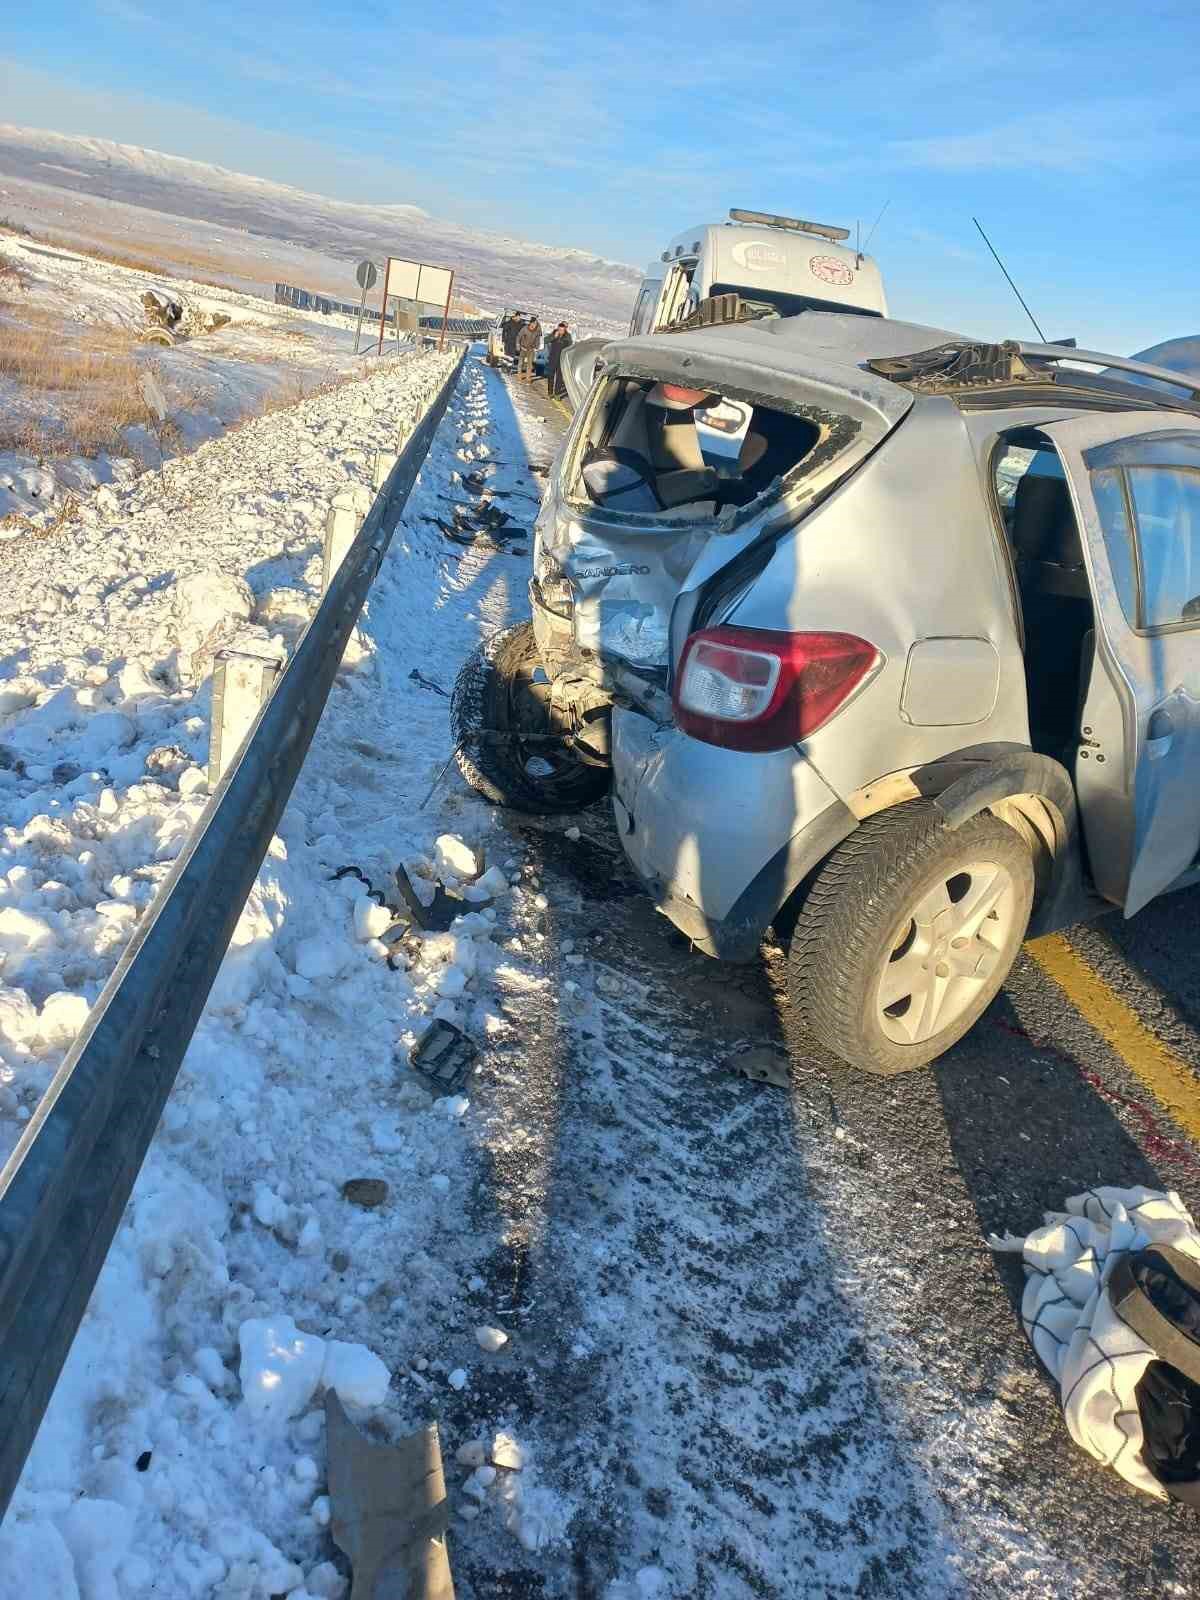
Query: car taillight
[{"x": 754, "y": 689}]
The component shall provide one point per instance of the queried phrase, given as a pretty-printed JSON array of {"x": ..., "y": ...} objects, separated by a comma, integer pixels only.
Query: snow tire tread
[{"x": 861, "y": 887}]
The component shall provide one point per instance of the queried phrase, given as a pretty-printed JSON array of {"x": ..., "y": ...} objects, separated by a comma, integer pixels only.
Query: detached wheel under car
[
  {"x": 501, "y": 717},
  {"x": 908, "y": 933}
]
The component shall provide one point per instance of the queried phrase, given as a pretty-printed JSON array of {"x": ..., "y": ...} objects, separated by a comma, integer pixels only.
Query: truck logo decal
[
  {"x": 830, "y": 270},
  {"x": 626, "y": 570},
  {"x": 758, "y": 255}
]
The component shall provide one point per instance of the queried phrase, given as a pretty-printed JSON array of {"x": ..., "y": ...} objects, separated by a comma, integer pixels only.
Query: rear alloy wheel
[
  {"x": 907, "y": 934},
  {"x": 508, "y": 746}
]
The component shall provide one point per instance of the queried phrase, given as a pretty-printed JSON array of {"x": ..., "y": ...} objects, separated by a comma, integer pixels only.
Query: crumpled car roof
[{"x": 785, "y": 358}]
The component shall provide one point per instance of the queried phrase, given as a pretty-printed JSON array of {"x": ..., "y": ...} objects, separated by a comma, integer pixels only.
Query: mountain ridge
[{"x": 493, "y": 268}]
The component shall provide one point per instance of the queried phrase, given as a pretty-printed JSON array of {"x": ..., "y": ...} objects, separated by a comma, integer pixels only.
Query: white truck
[{"x": 777, "y": 266}]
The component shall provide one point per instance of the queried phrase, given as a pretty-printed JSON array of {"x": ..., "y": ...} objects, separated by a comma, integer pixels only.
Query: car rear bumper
[{"x": 721, "y": 839}]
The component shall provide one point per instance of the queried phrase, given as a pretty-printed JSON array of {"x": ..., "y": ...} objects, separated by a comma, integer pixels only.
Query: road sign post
[
  {"x": 419, "y": 282},
  {"x": 446, "y": 312},
  {"x": 365, "y": 275}
]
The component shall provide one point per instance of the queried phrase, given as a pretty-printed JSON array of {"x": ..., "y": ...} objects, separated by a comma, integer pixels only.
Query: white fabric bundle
[{"x": 1096, "y": 1358}]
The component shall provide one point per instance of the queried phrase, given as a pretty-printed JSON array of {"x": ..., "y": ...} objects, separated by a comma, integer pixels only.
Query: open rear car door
[
  {"x": 578, "y": 368},
  {"x": 1135, "y": 486}
]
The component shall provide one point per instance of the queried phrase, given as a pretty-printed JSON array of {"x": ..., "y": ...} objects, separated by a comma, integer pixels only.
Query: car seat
[
  {"x": 649, "y": 461},
  {"x": 681, "y": 475},
  {"x": 1045, "y": 537},
  {"x": 618, "y": 473}
]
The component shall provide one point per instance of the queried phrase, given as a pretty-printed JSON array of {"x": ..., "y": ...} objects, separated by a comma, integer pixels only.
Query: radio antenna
[
  {"x": 876, "y": 223},
  {"x": 1011, "y": 284}
]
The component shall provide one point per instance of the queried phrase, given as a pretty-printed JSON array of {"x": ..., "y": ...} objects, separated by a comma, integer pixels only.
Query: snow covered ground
[
  {"x": 265, "y": 355},
  {"x": 290, "y": 1088}
]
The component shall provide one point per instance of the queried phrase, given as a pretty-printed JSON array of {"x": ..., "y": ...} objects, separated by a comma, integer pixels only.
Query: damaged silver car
[{"x": 881, "y": 636}]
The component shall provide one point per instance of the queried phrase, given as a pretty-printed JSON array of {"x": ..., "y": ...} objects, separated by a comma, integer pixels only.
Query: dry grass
[
  {"x": 67, "y": 511},
  {"x": 154, "y": 266},
  {"x": 169, "y": 260},
  {"x": 12, "y": 280},
  {"x": 90, "y": 377}
]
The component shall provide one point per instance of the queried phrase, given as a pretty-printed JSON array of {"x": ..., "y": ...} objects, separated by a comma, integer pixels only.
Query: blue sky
[{"x": 1070, "y": 129}]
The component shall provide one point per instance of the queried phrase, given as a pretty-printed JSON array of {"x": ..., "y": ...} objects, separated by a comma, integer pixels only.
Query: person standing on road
[
  {"x": 529, "y": 342},
  {"x": 511, "y": 328},
  {"x": 559, "y": 340}
]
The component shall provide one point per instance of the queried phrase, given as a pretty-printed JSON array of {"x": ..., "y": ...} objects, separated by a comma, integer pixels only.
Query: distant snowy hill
[{"x": 493, "y": 270}]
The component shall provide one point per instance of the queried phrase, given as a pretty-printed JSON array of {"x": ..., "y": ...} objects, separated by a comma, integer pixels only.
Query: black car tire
[
  {"x": 495, "y": 703},
  {"x": 852, "y": 928}
]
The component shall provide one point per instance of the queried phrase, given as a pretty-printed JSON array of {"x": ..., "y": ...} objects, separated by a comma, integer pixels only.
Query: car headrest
[
  {"x": 675, "y": 444},
  {"x": 1043, "y": 527}
]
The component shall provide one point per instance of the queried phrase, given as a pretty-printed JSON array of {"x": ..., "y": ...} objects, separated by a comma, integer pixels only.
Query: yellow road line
[{"x": 1167, "y": 1075}]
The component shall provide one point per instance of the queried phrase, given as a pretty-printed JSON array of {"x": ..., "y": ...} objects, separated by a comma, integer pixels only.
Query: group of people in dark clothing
[{"x": 522, "y": 338}]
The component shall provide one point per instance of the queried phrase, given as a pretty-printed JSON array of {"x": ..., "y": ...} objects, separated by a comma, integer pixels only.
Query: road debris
[
  {"x": 762, "y": 1063},
  {"x": 389, "y": 1510},
  {"x": 1112, "y": 1299},
  {"x": 177, "y": 318},
  {"x": 437, "y": 914},
  {"x": 365, "y": 1192},
  {"x": 417, "y": 676},
  {"x": 444, "y": 1054}
]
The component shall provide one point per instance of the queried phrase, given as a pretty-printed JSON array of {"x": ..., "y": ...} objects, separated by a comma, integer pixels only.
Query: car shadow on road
[
  {"x": 1000, "y": 1130},
  {"x": 688, "y": 1327},
  {"x": 1026, "y": 1126}
]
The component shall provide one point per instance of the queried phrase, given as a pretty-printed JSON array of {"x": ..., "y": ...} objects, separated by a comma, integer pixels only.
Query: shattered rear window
[{"x": 658, "y": 449}]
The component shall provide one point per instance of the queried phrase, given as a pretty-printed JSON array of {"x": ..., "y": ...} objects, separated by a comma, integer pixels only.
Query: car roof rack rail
[{"x": 1095, "y": 358}]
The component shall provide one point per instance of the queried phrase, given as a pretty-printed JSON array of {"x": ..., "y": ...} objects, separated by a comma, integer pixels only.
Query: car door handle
[{"x": 1160, "y": 731}]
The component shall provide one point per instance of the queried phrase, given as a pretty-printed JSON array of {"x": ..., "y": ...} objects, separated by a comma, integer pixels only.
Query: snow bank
[{"x": 183, "y": 1450}]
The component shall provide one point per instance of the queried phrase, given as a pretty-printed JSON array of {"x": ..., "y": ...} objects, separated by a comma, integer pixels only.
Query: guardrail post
[
  {"x": 381, "y": 467},
  {"x": 241, "y": 684},
  {"x": 342, "y": 522}
]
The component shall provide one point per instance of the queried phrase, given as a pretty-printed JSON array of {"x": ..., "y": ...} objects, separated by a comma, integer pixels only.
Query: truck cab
[{"x": 777, "y": 265}]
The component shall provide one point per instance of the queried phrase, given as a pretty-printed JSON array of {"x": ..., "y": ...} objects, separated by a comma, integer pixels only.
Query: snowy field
[
  {"x": 248, "y": 231},
  {"x": 264, "y": 356}
]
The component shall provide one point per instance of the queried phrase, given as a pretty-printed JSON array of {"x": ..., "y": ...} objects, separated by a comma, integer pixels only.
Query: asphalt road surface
[{"x": 761, "y": 1345}]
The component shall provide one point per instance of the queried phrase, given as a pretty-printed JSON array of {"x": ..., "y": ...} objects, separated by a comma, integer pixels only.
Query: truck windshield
[{"x": 777, "y": 303}]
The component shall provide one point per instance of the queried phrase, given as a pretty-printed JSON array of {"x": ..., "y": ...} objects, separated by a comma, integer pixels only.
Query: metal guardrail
[
  {"x": 64, "y": 1189},
  {"x": 305, "y": 300}
]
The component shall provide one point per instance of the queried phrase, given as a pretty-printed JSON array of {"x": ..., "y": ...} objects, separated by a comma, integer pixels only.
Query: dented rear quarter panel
[
  {"x": 902, "y": 553},
  {"x": 699, "y": 823}
]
